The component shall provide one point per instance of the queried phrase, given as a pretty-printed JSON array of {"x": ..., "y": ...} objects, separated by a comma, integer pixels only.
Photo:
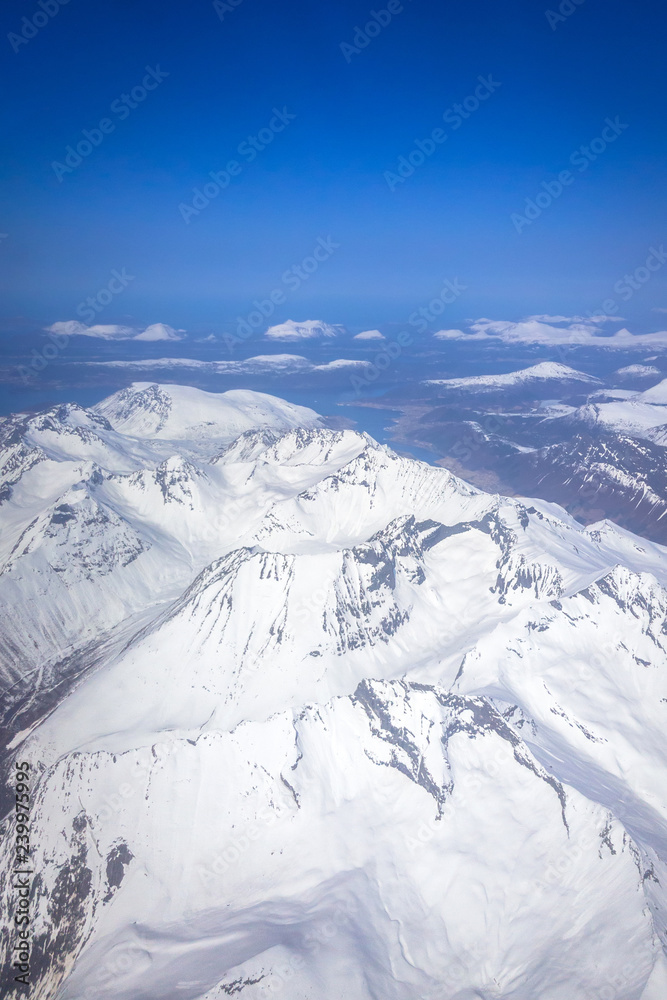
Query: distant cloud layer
[
  {"x": 542, "y": 329},
  {"x": 450, "y": 335},
  {"x": 574, "y": 331},
  {"x": 156, "y": 331},
  {"x": 263, "y": 364}
]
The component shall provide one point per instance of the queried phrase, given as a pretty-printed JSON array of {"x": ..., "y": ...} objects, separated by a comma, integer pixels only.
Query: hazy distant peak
[
  {"x": 641, "y": 371},
  {"x": 114, "y": 331},
  {"x": 544, "y": 371},
  {"x": 159, "y": 331},
  {"x": 307, "y": 330}
]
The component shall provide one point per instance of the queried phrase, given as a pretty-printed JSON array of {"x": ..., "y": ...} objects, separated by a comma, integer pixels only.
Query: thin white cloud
[
  {"x": 154, "y": 332},
  {"x": 599, "y": 318},
  {"x": 452, "y": 335},
  {"x": 73, "y": 328},
  {"x": 545, "y": 318},
  {"x": 369, "y": 335}
]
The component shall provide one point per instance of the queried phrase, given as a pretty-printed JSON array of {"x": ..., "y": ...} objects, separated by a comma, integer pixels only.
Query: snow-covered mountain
[
  {"x": 622, "y": 476},
  {"x": 641, "y": 414},
  {"x": 593, "y": 445},
  {"x": 546, "y": 372},
  {"x": 309, "y": 718},
  {"x": 93, "y": 513}
]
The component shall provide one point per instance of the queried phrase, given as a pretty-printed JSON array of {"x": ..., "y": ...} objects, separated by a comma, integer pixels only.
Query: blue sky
[{"x": 324, "y": 173}]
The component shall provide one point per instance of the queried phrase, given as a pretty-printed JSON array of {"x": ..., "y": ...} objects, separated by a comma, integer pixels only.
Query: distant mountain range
[{"x": 554, "y": 432}]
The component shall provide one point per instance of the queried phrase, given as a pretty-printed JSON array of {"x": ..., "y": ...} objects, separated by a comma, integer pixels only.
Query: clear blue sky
[{"x": 323, "y": 175}]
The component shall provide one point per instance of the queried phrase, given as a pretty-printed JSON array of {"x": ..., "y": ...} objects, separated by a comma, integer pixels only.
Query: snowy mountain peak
[
  {"x": 148, "y": 410},
  {"x": 555, "y": 370},
  {"x": 545, "y": 371}
]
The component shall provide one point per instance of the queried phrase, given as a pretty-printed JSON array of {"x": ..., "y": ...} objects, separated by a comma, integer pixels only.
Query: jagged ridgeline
[{"x": 309, "y": 718}]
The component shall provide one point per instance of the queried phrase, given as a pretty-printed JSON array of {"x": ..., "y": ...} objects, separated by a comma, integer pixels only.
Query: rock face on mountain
[{"x": 310, "y": 719}]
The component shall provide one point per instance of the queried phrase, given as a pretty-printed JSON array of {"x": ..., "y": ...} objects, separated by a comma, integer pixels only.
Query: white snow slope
[
  {"x": 313, "y": 720},
  {"x": 641, "y": 414}
]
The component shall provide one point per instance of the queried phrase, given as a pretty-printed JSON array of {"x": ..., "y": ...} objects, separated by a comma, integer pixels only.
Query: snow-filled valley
[{"x": 315, "y": 720}]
